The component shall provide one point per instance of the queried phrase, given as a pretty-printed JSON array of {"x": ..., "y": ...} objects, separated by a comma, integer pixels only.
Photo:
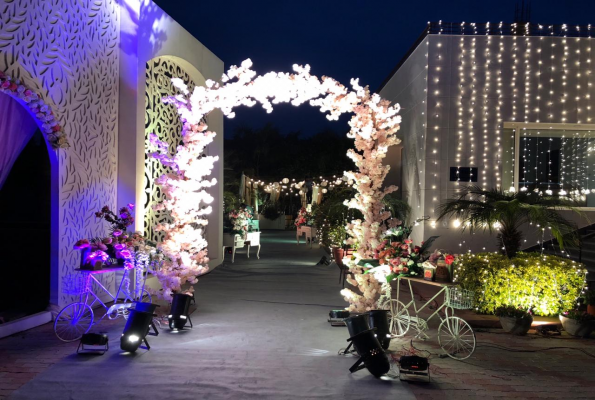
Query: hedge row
[{"x": 548, "y": 284}]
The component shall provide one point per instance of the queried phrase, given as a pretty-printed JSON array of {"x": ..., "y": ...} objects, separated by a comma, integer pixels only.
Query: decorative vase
[
  {"x": 591, "y": 309},
  {"x": 516, "y": 326},
  {"x": 576, "y": 328},
  {"x": 442, "y": 273}
]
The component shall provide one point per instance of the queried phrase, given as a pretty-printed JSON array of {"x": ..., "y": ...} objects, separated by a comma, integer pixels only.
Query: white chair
[
  {"x": 308, "y": 231},
  {"x": 253, "y": 239},
  {"x": 235, "y": 242}
]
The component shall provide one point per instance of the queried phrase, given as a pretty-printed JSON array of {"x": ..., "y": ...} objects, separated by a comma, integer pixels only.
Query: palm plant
[{"x": 478, "y": 208}]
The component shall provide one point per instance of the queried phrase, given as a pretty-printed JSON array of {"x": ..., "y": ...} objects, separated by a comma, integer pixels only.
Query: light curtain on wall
[{"x": 16, "y": 129}]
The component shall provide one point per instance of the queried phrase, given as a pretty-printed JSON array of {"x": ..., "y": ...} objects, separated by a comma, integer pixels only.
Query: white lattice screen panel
[{"x": 163, "y": 120}]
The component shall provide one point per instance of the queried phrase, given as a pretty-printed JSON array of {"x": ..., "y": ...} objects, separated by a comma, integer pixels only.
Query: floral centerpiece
[
  {"x": 49, "y": 124},
  {"x": 304, "y": 218},
  {"x": 398, "y": 255},
  {"x": 444, "y": 263},
  {"x": 115, "y": 249},
  {"x": 240, "y": 220}
]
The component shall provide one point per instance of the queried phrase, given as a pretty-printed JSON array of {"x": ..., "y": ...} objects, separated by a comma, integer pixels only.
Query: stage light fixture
[
  {"x": 178, "y": 315},
  {"x": 99, "y": 343},
  {"x": 337, "y": 317},
  {"x": 355, "y": 325},
  {"x": 150, "y": 308},
  {"x": 372, "y": 356},
  {"x": 379, "y": 321},
  {"x": 414, "y": 368},
  {"x": 324, "y": 260},
  {"x": 135, "y": 331}
]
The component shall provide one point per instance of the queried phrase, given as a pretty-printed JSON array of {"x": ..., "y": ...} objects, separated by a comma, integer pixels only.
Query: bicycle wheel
[
  {"x": 72, "y": 321},
  {"x": 398, "y": 318},
  {"x": 146, "y": 297},
  {"x": 456, "y": 337}
]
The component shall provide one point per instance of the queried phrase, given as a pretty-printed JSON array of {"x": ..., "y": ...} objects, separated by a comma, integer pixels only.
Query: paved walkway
[{"x": 261, "y": 332}]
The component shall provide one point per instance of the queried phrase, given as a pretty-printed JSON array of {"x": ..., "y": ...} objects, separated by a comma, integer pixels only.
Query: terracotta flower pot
[
  {"x": 591, "y": 309},
  {"x": 575, "y": 328},
  {"x": 338, "y": 254},
  {"x": 516, "y": 326}
]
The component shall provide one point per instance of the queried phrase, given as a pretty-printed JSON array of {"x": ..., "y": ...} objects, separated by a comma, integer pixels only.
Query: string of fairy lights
[
  {"x": 289, "y": 187},
  {"x": 516, "y": 73}
]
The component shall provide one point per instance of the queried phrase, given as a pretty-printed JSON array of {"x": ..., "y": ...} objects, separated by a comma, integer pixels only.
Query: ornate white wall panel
[
  {"x": 68, "y": 51},
  {"x": 163, "y": 120}
]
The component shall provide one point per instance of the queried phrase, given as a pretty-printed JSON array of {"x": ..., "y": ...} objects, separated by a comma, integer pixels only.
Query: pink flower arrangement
[
  {"x": 240, "y": 220},
  {"x": 49, "y": 125},
  {"x": 119, "y": 247},
  {"x": 303, "y": 218},
  {"x": 120, "y": 221}
]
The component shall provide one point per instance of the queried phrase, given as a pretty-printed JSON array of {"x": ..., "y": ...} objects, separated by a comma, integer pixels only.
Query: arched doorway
[{"x": 25, "y": 217}]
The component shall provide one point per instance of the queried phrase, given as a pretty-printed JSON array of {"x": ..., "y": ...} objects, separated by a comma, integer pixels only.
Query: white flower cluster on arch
[{"x": 373, "y": 128}]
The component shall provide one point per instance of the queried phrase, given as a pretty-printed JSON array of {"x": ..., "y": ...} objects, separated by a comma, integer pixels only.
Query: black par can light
[
  {"x": 337, "y": 317},
  {"x": 357, "y": 323},
  {"x": 95, "y": 342},
  {"x": 178, "y": 316},
  {"x": 150, "y": 308},
  {"x": 372, "y": 356},
  {"x": 379, "y": 320},
  {"x": 136, "y": 330}
]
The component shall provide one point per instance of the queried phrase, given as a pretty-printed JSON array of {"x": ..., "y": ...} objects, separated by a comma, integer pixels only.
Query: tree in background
[{"x": 269, "y": 155}]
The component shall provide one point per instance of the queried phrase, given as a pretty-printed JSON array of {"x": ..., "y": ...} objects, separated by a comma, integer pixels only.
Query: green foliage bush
[
  {"x": 271, "y": 211},
  {"x": 547, "y": 284},
  {"x": 231, "y": 201}
]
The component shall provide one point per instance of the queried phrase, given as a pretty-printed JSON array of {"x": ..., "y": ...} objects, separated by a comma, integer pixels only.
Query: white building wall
[
  {"x": 474, "y": 85},
  {"x": 408, "y": 160},
  {"x": 67, "y": 52}
]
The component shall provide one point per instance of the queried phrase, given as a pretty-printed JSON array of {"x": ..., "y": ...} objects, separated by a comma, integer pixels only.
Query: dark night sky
[{"x": 344, "y": 39}]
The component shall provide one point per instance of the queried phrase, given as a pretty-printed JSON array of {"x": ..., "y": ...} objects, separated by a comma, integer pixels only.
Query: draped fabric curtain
[
  {"x": 242, "y": 185},
  {"x": 275, "y": 191},
  {"x": 16, "y": 129}
]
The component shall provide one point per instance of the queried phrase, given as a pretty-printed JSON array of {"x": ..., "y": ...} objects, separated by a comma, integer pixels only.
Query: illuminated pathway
[{"x": 260, "y": 331}]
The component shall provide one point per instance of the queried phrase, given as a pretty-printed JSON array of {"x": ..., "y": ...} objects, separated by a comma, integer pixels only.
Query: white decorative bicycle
[
  {"x": 455, "y": 335},
  {"x": 78, "y": 317}
]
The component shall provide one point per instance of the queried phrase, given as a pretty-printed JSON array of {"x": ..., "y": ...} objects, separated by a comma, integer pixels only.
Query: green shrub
[
  {"x": 546, "y": 284},
  {"x": 271, "y": 212},
  {"x": 579, "y": 316},
  {"x": 230, "y": 202},
  {"x": 590, "y": 297},
  {"x": 336, "y": 235},
  {"x": 512, "y": 312}
]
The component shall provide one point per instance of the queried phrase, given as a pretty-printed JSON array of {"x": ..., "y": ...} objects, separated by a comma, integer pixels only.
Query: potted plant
[
  {"x": 515, "y": 320},
  {"x": 590, "y": 300},
  {"x": 578, "y": 323}
]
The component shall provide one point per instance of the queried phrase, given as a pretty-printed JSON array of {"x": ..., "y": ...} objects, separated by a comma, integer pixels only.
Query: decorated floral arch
[
  {"x": 373, "y": 127},
  {"x": 37, "y": 107}
]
